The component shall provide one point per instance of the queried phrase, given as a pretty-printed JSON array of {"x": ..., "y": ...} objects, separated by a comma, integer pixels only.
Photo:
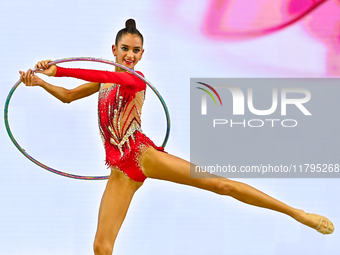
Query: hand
[
  {"x": 46, "y": 68},
  {"x": 30, "y": 79}
]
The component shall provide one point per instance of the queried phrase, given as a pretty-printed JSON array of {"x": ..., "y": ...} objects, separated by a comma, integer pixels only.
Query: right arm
[{"x": 64, "y": 95}]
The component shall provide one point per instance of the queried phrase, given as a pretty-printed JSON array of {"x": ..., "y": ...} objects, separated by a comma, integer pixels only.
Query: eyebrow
[{"x": 137, "y": 47}]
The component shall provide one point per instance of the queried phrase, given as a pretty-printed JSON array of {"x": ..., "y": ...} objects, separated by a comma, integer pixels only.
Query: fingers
[
  {"x": 22, "y": 76},
  {"x": 43, "y": 65},
  {"x": 27, "y": 78}
]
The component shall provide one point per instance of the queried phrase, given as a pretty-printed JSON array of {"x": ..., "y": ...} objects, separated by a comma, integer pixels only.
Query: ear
[
  {"x": 114, "y": 50},
  {"x": 141, "y": 54}
]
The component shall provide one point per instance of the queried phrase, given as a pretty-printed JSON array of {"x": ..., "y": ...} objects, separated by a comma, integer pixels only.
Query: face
[{"x": 128, "y": 51}]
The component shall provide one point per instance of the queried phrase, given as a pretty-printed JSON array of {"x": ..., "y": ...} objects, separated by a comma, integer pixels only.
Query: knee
[
  {"x": 224, "y": 187},
  {"x": 102, "y": 248}
]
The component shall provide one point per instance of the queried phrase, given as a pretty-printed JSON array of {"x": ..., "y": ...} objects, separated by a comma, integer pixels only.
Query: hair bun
[{"x": 130, "y": 23}]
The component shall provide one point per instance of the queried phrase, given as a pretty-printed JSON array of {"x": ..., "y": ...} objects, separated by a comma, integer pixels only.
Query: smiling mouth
[{"x": 128, "y": 61}]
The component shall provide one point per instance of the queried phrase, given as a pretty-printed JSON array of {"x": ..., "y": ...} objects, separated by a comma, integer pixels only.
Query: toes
[
  {"x": 330, "y": 227},
  {"x": 327, "y": 227}
]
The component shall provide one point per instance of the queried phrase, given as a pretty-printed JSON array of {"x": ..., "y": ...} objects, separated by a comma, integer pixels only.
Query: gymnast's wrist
[
  {"x": 43, "y": 84},
  {"x": 58, "y": 72}
]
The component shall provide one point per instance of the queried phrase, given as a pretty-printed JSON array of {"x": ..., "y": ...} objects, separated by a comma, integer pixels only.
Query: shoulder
[{"x": 139, "y": 72}]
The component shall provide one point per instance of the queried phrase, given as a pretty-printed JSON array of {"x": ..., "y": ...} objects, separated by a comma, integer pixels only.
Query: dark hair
[{"x": 130, "y": 28}]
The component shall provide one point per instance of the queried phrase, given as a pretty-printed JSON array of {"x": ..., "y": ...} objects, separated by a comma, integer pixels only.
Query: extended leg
[
  {"x": 113, "y": 208},
  {"x": 159, "y": 165}
]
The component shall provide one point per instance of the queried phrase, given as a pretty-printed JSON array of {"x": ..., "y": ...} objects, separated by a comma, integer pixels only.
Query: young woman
[{"x": 132, "y": 156}]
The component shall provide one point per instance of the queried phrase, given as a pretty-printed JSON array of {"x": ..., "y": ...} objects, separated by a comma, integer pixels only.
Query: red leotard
[{"x": 119, "y": 110}]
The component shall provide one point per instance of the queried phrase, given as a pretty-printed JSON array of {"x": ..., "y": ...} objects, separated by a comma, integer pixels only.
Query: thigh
[
  {"x": 114, "y": 206},
  {"x": 159, "y": 165}
]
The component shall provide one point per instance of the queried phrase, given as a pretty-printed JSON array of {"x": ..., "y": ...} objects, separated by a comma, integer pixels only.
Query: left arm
[{"x": 124, "y": 79}]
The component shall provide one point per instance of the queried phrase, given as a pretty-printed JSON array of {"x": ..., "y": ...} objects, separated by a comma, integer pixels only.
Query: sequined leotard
[{"x": 119, "y": 111}]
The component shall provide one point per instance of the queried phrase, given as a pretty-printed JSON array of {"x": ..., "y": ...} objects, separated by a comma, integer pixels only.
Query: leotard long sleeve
[{"x": 121, "y": 78}]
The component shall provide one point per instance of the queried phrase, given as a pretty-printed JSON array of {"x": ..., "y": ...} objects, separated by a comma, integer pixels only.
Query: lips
[{"x": 128, "y": 62}]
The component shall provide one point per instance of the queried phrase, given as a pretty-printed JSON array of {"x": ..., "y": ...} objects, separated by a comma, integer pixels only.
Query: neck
[{"x": 118, "y": 69}]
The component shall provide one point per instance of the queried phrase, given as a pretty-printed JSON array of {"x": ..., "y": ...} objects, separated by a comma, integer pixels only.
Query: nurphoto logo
[{"x": 238, "y": 104}]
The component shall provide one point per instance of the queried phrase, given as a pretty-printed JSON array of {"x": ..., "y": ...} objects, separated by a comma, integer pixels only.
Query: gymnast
[{"x": 132, "y": 156}]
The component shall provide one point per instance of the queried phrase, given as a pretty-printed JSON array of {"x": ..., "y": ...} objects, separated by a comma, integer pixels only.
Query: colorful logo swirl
[{"x": 210, "y": 87}]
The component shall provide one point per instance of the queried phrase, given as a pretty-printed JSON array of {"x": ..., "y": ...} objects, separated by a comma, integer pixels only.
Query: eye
[
  {"x": 124, "y": 48},
  {"x": 136, "y": 50}
]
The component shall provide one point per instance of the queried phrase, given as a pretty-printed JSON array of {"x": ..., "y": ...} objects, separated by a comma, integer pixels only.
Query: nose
[{"x": 130, "y": 54}]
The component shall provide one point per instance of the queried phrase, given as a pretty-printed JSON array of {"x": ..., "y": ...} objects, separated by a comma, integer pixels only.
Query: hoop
[{"x": 81, "y": 177}]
